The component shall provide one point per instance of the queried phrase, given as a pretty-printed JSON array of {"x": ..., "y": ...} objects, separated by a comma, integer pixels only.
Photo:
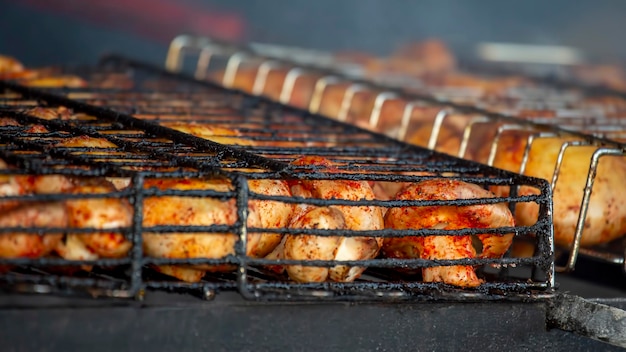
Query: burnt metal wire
[
  {"x": 139, "y": 119},
  {"x": 590, "y": 114}
]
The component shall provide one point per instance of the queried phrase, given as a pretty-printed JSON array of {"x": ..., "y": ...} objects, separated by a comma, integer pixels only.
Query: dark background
[{"x": 43, "y": 32}]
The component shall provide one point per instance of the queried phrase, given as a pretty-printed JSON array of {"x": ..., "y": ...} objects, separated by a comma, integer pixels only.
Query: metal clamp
[
  {"x": 260, "y": 80},
  {"x": 318, "y": 92},
  {"x": 204, "y": 60},
  {"x": 467, "y": 132},
  {"x": 529, "y": 144},
  {"x": 176, "y": 51},
  {"x": 348, "y": 98},
  {"x": 434, "y": 132},
  {"x": 584, "y": 205},
  {"x": 497, "y": 137},
  {"x": 406, "y": 119},
  {"x": 230, "y": 74},
  {"x": 379, "y": 101},
  {"x": 289, "y": 84}
]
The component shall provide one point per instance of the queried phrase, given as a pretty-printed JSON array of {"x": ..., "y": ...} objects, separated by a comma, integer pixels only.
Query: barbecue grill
[
  {"x": 131, "y": 104},
  {"x": 557, "y": 102},
  {"x": 363, "y": 156}
]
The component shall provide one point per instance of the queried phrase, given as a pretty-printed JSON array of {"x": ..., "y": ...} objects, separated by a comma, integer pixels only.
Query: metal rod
[
  {"x": 204, "y": 60},
  {"x": 467, "y": 132},
  {"x": 379, "y": 101},
  {"x": 234, "y": 62},
  {"x": 496, "y": 140},
  {"x": 260, "y": 80},
  {"x": 529, "y": 144},
  {"x": 406, "y": 119},
  {"x": 242, "y": 242},
  {"x": 136, "y": 235},
  {"x": 289, "y": 84},
  {"x": 584, "y": 204},
  {"x": 436, "y": 130},
  {"x": 175, "y": 53},
  {"x": 318, "y": 92},
  {"x": 559, "y": 159},
  {"x": 348, "y": 98}
]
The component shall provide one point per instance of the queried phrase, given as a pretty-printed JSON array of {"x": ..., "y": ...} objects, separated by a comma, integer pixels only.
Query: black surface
[
  {"x": 171, "y": 322},
  {"x": 166, "y": 322}
]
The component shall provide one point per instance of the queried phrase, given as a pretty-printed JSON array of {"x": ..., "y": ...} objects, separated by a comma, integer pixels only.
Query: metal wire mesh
[{"x": 147, "y": 126}]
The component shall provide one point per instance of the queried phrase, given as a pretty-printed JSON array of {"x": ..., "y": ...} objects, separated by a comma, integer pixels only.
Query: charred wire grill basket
[
  {"x": 130, "y": 105},
  {"x": 539, "y": 109}
]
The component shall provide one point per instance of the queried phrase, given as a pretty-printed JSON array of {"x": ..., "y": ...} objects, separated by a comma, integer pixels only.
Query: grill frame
[{"x": 358, "y": 291}]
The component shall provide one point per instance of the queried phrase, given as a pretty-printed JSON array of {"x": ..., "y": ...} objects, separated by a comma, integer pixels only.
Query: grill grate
[
  {"x": 139, "y": 116},
  {"x": 537, "y": 108}
]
